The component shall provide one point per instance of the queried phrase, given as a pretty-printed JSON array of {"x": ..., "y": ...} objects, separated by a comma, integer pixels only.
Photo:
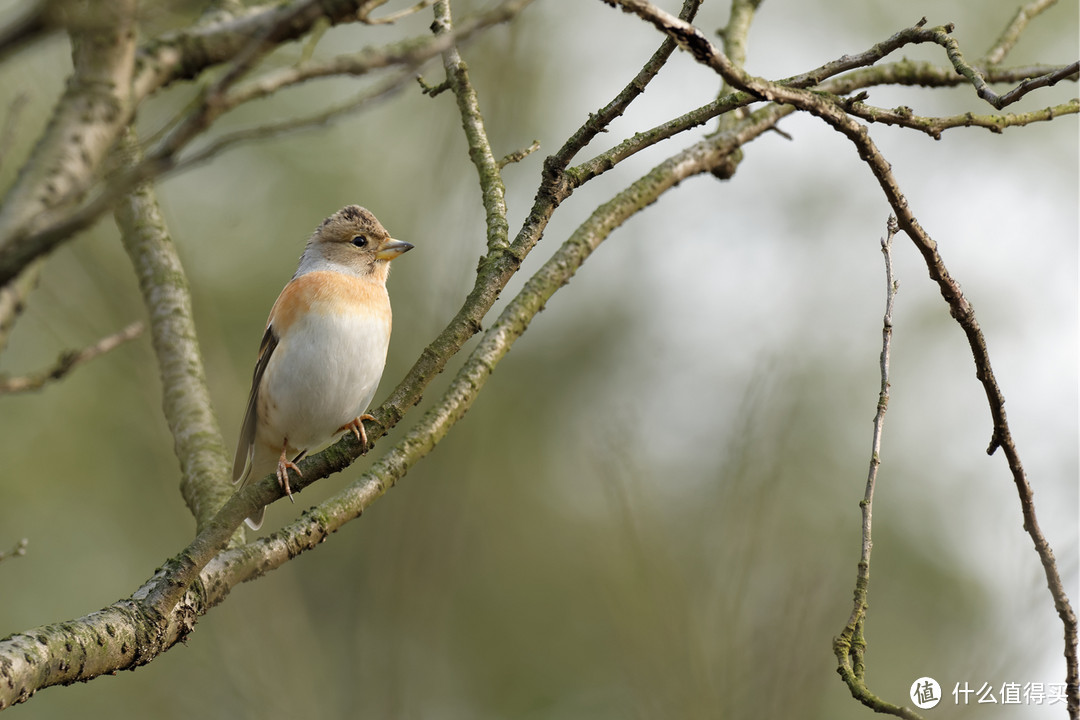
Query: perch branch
[{"x": 135, "y": 630}]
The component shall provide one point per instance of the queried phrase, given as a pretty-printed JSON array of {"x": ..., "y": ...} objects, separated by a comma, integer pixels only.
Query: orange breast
[{"x": 327, "y": 293}]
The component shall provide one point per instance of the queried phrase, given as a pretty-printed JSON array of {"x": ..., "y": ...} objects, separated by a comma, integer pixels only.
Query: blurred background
[{"x": 652, "y": 509}]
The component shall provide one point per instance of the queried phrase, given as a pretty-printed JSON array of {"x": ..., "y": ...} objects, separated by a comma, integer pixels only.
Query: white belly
[{"x": 322, "y": 375}]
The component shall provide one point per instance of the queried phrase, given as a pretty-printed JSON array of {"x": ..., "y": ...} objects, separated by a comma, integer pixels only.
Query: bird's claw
[
  {"x": 283, "y": 466},
  {"x": 357, "y": 428}
]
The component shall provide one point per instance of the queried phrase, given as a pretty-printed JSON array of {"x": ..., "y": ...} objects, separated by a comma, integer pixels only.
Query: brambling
[{"x": 323, "y": 351}]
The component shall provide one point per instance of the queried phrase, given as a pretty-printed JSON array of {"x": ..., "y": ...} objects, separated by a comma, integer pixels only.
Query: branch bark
[{"x": 204, "y": 468}]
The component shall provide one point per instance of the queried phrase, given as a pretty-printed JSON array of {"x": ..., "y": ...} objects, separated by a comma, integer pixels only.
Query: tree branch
[
  {"x": 472, "y": 121},
  {"x": 934, "y": 126},
  {"x": 68, "y": 361},
  {"x": 1008, "y": 38},
  {"x": 850, "y": 646},
  {"x": 94, "y": 107},
  {"x": 17, "y": 551},
  {"x": 204, "y": 468}
]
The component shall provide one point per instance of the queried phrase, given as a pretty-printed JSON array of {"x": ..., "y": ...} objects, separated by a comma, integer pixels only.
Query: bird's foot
[
  {"x": 283, "y": 466},
  {"x": 357, "y": 427}
]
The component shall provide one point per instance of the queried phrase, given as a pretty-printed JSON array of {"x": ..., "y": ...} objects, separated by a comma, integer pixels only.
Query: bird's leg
[
  {"x": 357, "y": 427},
  {"x": 283, "y": 465}
]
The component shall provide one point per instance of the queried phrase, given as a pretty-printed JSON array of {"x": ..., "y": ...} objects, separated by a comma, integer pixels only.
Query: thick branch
[
  {"x": 94, "y": 107},
  {"x": 205, "y": 481}
]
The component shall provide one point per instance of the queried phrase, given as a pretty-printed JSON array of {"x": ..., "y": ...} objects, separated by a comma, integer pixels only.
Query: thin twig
[
  {"x": 365, "y": 12},
  {"x": 68, "y": 361},
  {"x": 472, "y": 121},
  {"x": 212, "y": 103},
  {"x": 943, "y": 36},
  {"x": 934, "y": 126},
  {"x": 519, "y": 155},
  {"x": 1011, "y": 34},
  {"x": 362, "y": 101},
  {"x": 18, "y": 551},
  {"x": 861, "y": 73},
  {"x": 13, "y": 298},
  {"x": 410, "y": 53},
  {"x": 11, "y": 121},
  {"x": 598, "y": 121},
  {"x": 850, "y": 646}
]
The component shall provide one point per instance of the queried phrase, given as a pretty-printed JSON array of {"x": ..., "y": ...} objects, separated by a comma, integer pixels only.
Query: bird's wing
[{"x": 246, "y": 446}]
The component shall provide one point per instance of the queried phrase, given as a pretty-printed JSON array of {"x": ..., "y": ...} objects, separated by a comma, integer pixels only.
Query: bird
[{"x": 323, "y": 351}]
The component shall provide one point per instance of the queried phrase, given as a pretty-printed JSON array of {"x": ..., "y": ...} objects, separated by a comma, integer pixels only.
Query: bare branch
[
  {"x": 942, "y": 36},
  {"x": 519, "y": 155},
  {"x": 11, "y": 120},
  {"x": 1016, "y": 26},
  {"x": 491, "y": 184},
  {"x": 599, "y": 120},
  {"x": 185, "y": 54},
  {"x": 13, "y": 299},
  {"x": 934, "y": 126},
  {"x": 364, "y": 15},
  {"x": 18, "y": 551},
  {"x": 850, "y": 646},
  {"x": 410, "y": 53},
  {"x": 68, "y": 361},
  {"x": 205, "y": 481},
  {"x": 38, "y": 20},
  {"x": 95, "y": 105},
  {"x": 326, "y": 117}
]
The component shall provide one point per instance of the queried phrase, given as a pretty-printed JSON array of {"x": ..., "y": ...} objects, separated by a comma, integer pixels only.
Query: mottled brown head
[{"x": 352, "y": 240}]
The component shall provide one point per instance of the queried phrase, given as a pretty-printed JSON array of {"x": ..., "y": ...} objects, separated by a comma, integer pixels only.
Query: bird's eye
[{"x": 360, "y": 241}]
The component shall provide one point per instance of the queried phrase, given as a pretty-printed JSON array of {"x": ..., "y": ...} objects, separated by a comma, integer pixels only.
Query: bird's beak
[{"x": 391, "y": 248}]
